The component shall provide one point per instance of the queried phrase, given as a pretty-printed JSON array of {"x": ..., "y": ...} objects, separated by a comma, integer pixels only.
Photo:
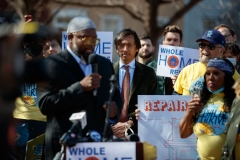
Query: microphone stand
[
  {"x": 68, "y": 140},
  {"x": 111, "y": 93}
]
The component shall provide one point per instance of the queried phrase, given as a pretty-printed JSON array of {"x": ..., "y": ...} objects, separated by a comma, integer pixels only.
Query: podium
[{"x": 105, "y": 151}]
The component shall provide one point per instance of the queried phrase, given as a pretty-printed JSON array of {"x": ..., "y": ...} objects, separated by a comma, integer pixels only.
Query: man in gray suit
[
  {"x": 142, "y": 79},
  {"x": 71, "y": 85}
]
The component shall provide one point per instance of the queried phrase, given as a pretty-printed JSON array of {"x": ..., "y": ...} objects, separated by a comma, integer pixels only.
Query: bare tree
[
  {"x": 36, "y": 8},
  {"x": 148, "y": 17}
]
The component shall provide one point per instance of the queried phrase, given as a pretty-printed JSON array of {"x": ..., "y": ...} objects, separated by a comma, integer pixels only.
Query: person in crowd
[
  {"x": 230, "y": 150},
  {"x": 146, "y": 52},
  {"x": 232, "y": 53},
  {"x": 30, "y": 122},
  {"x": 228, "y": 33},
  {"x": 211, "y": 45},
  {"x": 131, "y": 77},
  {"x": 51, "y": 46},
  {"x": 230, "y": 37},
  {"x": 172, "y": 36},
  {"x": 71, "y": 84},
  {"x": 207, "y": 114}
]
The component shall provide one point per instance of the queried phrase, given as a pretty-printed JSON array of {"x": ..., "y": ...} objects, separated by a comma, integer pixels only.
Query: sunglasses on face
[
  {"x": 210, "y": 46},
  {"x": 88, "y": 40}
]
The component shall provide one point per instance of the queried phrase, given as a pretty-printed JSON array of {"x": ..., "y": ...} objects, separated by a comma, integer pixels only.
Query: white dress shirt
[{"x": 86, "y": 68}]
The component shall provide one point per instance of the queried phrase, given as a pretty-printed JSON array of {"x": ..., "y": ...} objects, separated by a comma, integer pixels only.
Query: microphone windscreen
[
  {"x": 92, "y": 59},
  {"x": 134, "y": 138}
]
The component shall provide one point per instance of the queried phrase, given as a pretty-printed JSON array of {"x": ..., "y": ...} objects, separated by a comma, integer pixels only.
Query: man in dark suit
[
  {"x": 71, "y": 86},
  {"x": 142, "y": 81}
]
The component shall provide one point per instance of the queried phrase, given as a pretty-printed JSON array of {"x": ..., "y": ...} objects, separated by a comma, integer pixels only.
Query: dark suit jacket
[
  {"x": 144, "y": 82},
  {"x": 63, "y": 96}
]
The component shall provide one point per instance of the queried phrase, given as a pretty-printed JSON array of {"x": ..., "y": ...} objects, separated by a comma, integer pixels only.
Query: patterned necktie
[{"x": 125, "y": 95}]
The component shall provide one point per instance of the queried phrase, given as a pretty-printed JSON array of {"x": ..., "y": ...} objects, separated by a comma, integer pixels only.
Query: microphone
[
  {"x": 93, "y": 60},
  {"x": 79, "y": 117},
  {"x": 95, "y": 136}
]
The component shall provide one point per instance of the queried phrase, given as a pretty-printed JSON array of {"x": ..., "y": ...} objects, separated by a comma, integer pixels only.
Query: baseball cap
[{"x": 213, "y": 36}]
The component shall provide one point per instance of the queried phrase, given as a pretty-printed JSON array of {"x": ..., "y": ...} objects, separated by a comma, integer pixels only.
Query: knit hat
[
  {"x": 80, "y": 23},
  {"x": 213, "y": 36},
  {"x": 222, "y": 65}
]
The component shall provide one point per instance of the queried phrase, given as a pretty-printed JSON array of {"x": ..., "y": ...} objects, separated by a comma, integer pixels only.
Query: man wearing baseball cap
[{"x": 211, "y": 45}]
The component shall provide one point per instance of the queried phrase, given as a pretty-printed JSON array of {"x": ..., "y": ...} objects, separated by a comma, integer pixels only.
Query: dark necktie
[{"x": 125, "y": 95}]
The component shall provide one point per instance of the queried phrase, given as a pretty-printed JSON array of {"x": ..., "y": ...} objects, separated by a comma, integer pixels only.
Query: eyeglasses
[
  {"x": 128, "y": 45},
  {"x": 88, "y": 40},
  {"x": 210, "y": 46}
]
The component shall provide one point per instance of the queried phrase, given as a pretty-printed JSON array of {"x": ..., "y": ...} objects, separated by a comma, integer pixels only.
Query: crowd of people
[{"x": 69, "y": 85}]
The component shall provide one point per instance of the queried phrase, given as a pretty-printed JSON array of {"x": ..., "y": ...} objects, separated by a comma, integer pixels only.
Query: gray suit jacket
[{"x": 144, "y": 82}]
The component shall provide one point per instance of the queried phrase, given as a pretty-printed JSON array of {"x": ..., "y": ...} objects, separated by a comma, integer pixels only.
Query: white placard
[
  {"x": 172, "y": 59},
  {"x": 102, "y": 151},
  {"x": 104, "y": 48},
  {"x": 158, "y": 125}
]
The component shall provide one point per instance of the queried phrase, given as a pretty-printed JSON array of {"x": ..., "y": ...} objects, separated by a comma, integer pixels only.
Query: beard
[
  {"x": 203, "y": 59},
  {"x": 148, "y": 55},
  {"x": 78, "y": 52}
]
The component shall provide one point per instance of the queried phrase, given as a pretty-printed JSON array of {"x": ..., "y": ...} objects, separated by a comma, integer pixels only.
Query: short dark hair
[
  {"x": 124, "y": 33},
  {"x": 146, "y": 36},
  {"x": 173, "y": 28},
  {"x": 233, "y": 47},
  {"x": 225, "y": 26}
]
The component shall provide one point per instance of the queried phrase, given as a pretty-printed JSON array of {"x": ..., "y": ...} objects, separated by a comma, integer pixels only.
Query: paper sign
[
  {"x": 104, "y": 48},
  {"x": 172, "y": 59},
  {"x": 102, "y": 151},
  {"x": 158, "y": 125}
]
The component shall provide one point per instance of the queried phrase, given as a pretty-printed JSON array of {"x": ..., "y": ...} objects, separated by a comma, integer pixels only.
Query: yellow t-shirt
[
  {"x": 27, "y": 105},
  {"x": 189, "y": 74},
  {"x": 209, "y": 128},
  {"x": 192, "y": 75},
  {"x": 26, "y": 111},
  {"x": 236, "y": 75}
]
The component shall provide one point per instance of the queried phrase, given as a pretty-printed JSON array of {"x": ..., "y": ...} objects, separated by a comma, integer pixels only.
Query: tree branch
[
  {"x": 178, "y": 15},
  {"x": 18, "y": 7},
  {"x": 125, "y": 6}
]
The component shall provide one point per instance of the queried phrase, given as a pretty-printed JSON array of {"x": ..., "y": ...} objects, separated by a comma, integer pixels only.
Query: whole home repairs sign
[{"x": 172, "y": 59}]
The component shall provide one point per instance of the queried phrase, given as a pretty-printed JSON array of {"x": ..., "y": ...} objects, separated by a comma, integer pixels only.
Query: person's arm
[
  {"x": 53, "y": 97},
  {"x": 186, "y": 124}
]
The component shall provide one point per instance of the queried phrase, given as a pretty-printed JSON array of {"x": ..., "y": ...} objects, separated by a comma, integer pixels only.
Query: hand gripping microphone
[{"x": 93, "y": 60}]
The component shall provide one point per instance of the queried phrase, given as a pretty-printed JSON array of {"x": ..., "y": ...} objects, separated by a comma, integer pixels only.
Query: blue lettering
[
  {"x": 64, "y": 45},
  {"x": 195, "y": 60},
  {"x": 173, "y": 51},
  {"x": 81, "y": 151},
  {"x": 181, "y": 52},
  {"x": 106, "y": 48},
  {"x": 65, "y": 37},
  {"x": 172, "y": 71},
  {"x": 168, "y": 51},
  {"x": 89, "y": 151},
  {"x": 163, "y": 50},
  {"x": 165, "y": 60},
  {"x": 182, "y": 62},
  {"x": 73, "y": 151},
  {"x": 102, "y": 151},
  {"x": 97, "y": 49}
]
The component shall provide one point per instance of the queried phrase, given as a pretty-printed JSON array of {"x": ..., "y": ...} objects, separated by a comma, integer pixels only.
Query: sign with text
[
  {"x": 102, "y": 151},
  {"x": 172, "y": 59},
  {"x": 104, "y": 48},
  {"x": 158, "y": 125}
]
